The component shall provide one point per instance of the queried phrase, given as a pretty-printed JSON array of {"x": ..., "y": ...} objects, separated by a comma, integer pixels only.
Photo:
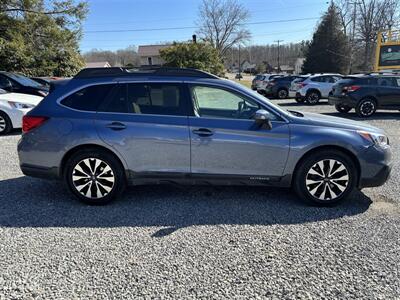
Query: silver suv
[{"x": 316, "y": 87}]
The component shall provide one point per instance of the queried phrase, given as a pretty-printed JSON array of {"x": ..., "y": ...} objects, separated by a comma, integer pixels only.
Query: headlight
[
  {"x": 19, "y": 105},
  {"x": 376, "y": 138}
]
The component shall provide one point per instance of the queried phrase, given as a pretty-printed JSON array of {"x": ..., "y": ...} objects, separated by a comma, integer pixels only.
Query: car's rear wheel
[
  {"x": 366, "y": 107},
  {"x": 95, "y": 177},
  {"x": 282, "y": 94},
  {"x": 342, "y": 108},
  {"x": 325, "y": 178},
  {"x": 5, "y": 123},
  {"x": 313, "y": 97}
]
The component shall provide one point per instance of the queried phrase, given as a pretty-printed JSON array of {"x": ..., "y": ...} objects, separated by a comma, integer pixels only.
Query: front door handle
[
  {"x": 203, "y": 132},
  {"x": 116, "y": 126}
]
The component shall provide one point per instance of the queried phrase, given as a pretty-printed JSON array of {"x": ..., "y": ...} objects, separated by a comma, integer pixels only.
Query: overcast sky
[{"x": 130, "y": 16}]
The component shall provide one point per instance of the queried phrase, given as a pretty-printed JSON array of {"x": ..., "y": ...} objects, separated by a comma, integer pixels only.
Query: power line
[{"x": 195, "y": 27}]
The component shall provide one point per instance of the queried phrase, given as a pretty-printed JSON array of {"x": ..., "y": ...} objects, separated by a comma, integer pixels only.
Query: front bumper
[{"x": 376, "y": 165}]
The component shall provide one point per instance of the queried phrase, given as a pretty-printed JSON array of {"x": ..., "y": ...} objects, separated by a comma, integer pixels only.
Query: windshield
[
  {"x": 262, "y": 99},
  {"x": 25, "y": 81}
]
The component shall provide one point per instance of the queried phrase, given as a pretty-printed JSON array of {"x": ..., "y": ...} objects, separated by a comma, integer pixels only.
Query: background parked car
[
  {"x": 278, "y": 87},
  {"x": 267, "y": 78},
  {"x": 256, "y": 82},
  {"x": 13, "y": 106},
  {"x": 18, "y": 83},
  {"x": 295, "y": 85},
  {"x": 316, "y": 87},
  {"x": 366, "y": 94}
]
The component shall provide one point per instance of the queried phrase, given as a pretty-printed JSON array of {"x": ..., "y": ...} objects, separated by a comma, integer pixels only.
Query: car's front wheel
[
  {"x": 95, "y": 176},
  {"x": 5, "y": 123},
  {"x": 342, "y": 108},
  {"x": 325, "y": 178}
]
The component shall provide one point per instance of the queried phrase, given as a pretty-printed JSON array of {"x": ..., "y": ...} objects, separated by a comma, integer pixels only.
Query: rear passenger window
[
  {"x": 157, "y": 99},
  {"x": 89, "y": 98},
  {"x": 317, "y": 79},
  {"x": 388, "y": 81}
]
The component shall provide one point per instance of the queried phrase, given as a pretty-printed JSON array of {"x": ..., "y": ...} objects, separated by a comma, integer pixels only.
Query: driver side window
[{"x": 213, "y": 102}]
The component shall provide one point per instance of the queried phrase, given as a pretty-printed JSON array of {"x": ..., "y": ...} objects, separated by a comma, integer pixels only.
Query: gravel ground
[{"x": 198, "y": 242}]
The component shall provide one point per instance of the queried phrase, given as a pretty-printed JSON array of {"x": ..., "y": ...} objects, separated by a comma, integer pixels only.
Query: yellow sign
[{"x": 388, "y": 51}]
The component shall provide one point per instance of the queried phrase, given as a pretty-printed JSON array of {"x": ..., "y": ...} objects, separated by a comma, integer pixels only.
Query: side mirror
[{"x": 263, "y": 119}]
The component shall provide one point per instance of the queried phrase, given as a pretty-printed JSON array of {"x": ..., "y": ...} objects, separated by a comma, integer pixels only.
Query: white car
[
  {"x": 316, "y": 87},
  {"x": 13, "y": 106}
]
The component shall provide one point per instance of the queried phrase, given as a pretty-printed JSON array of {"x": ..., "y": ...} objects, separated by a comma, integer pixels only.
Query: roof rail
[{"x": 142, "y": 71}]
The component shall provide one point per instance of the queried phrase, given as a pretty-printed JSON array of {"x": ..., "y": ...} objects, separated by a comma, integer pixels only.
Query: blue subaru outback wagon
[{"x": 108, "y": 128}]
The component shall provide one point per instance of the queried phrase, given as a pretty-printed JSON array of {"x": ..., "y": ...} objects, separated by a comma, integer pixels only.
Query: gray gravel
[{"x": 198, "y": 242}]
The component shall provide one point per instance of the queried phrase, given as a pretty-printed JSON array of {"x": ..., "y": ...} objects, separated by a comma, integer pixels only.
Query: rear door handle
[
  {"x": 203, "y": 132},
  {"x": 116, "y": 126}
]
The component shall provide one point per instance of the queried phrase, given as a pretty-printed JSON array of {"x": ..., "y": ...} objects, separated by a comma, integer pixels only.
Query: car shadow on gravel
[
  {"x": 29, "y": 202},
  {"x": 294, "y": 103},
  {"x": 382, "y": 115}
]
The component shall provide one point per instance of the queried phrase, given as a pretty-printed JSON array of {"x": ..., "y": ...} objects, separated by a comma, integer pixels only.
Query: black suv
[
  {"x": 279, "y": 87},
  {"x": 366, "y": 94},
  {"x": 17, "y": 83}
]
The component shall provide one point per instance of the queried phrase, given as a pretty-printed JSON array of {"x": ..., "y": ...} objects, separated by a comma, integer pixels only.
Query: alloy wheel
[
  {"x": 313, "y": 98},
  {"x": 282, "y": 94},
  {"x": 93, "y": 178},
  {"x": 367, "y": 108},
  {"x": 327, "y": 179},
  {"x": 3, "y": 124}
]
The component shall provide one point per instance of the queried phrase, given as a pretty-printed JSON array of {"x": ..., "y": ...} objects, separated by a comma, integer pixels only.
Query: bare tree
[
  {"x": 346, "y": 10},
  {"x": 373, "y": 16},
  {"x": 221, "y": 22}
]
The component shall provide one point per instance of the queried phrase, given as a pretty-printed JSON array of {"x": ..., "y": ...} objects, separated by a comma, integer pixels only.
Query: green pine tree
[
  {"x": 329, "y": 48},
  {"x": 39, "y": 38}
]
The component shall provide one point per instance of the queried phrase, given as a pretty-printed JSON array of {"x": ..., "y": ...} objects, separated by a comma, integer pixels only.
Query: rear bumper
[
  {"x": 299, "y": 96},
  {"x": 344, "y": 100},
  {"x": 292, "y": 94}
]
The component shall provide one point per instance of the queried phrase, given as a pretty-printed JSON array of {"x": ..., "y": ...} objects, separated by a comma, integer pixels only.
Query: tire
[
  {"x": 299, "y": 100},
  {"x": 325, "y": 190},
  {"x": 80, "y": 178},
  {"x": 342, "y": 108},
  {"x": 5, "y": 123},
  {"x": 313, "y": 97},
  {"x": 366, "y": 107},
  {"x": 282, "y": 94}
]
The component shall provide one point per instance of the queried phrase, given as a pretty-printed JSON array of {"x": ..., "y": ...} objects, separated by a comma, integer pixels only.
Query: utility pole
[
  {"x": 279, "y": 66},
  {"x": 240, "y": 65},
  {"x": 353, "y": 35}
]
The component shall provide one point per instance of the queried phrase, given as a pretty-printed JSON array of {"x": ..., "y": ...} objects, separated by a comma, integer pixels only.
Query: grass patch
[{"x": 246, "y": 83}]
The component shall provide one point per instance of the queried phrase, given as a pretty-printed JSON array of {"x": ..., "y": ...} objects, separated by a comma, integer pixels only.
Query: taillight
[
  {"x": 352, "y": 88},
  {"x": 31, "y": 122},
  {"x": 301, "y": 84}
]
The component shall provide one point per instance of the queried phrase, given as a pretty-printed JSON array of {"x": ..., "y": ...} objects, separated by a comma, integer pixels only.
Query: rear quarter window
[{"x": 89, "y": 98}]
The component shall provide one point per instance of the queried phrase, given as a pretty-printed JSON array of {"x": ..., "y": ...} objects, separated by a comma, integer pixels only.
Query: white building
[
  {"x": 298, "y": 65},
  {"x": 150, "y": 55}
]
